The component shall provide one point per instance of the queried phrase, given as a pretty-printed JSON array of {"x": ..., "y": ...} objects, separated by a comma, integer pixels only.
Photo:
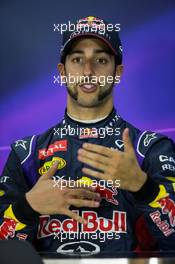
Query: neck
[{"x": 89, "y": 113}]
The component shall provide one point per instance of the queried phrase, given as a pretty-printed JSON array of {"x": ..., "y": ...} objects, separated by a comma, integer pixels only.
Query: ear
[
  {"x": 61, "y": 69},
  {"x": 119, "y": 70}
]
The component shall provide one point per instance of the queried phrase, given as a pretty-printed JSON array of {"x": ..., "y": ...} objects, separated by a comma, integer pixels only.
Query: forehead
[{"x": 89, "y": 43}]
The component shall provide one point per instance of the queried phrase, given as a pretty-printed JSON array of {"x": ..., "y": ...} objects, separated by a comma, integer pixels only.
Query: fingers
[
  {"x": 128, "y": 147},
  {"x": 71, "y": 184},
  {"x": 87, "y": 187},
  {"x": 95, "y": 174},
  {"x": 94, "y": 156},
  {"x": 98, "y": 149},
  {"x": 85, "y": 194},
  {"x": 93, "y": 163},
  {"x": 83, "y": 203},
  {"x": 75, "y": 216},
  {"x": 50, "y": 172}
]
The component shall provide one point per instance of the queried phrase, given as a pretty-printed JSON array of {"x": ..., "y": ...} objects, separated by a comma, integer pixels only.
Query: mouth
[{"x": 88, "y": 87}]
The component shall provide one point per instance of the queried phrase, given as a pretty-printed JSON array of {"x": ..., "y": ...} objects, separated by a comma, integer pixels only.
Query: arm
[
  {"x": 20, "y": 206},
  {"x": 156, "y": 198},
  {"x": 152, "y": 185},
  {"x": 17, "y": 219}
]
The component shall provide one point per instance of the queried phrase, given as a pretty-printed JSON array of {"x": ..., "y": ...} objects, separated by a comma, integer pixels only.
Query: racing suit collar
[
  {"x": 112, "y": 117},
  {"x": 87, "y": 121}
]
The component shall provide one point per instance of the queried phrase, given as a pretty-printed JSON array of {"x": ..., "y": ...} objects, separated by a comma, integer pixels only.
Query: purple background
[{"x": 31, "y": 102}]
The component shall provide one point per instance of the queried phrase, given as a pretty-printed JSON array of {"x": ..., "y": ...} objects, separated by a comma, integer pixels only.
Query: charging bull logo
[
  {"x": 7, "y": 229},
  {"x": 168, "y": 207},
  {"x": 108, "y": 194},
  {"x": 105, "y": 192},
  {"x": 90, "y": 20}
]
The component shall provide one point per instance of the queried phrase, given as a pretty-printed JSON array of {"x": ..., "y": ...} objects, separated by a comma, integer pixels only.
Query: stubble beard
[{"x": 103, "y": 95}]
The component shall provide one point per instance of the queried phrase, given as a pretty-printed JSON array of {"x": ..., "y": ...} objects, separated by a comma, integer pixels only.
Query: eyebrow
[{"x": 96, "y": 51}]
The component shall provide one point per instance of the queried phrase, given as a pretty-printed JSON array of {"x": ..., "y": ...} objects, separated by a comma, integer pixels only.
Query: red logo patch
[
  {"x": 7, "y": 229},
  {"x": 60, "y": 145}
]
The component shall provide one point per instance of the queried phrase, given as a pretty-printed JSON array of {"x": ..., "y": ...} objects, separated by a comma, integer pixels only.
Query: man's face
[{"x": 90, "y": 63}]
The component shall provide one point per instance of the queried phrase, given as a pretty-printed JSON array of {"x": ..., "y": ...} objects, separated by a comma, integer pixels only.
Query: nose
[{"x": 88, "y": 69}]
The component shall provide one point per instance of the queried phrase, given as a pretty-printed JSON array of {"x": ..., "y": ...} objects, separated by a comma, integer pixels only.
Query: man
[{"x": 93, "y": 182}]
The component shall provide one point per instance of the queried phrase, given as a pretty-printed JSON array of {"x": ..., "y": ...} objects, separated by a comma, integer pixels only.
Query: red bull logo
[
  {"x": 168, "y": 207},
  {"x": 7, "y": 229},
  {"x": 162, "y": 225},
  {"x": 107, "y": 194},
  {"x": 90, "y": 20},
  {"x": 48, "y": 227}
]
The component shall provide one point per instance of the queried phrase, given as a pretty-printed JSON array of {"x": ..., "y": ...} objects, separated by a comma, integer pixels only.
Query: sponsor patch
[
  {"x": 50, "y": 227},
  {"x": 162, "y": 225},
  {"x": 60, "y": 145},
  {"x": 88, "y": 133},
  {"x": 47, "y": 165}
]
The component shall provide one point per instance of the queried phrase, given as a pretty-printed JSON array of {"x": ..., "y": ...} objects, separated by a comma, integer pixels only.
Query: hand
[
  {"x": 47, "y": 199},
  {"x": 115, "y": 165}
]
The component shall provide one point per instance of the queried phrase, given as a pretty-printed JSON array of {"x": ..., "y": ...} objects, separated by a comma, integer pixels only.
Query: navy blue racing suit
[{"x": 124, "y": 221}]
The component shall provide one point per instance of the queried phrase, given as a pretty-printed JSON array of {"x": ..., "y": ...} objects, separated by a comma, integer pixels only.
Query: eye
[
  {"x": 77, "y": 60},
  {"x": 102, "y": 61}
]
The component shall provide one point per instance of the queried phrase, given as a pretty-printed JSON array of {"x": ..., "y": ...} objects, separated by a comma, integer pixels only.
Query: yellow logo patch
[
  {"x": 2, "y": 193},
  {"x": 47, "y": 165}
]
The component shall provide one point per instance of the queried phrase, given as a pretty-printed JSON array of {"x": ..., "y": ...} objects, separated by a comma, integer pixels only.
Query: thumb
[
  {"x": 51, "y": 171},
  {"x": 128, "y": 147}
]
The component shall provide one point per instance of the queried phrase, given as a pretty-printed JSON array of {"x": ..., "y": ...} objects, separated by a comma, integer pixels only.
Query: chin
[{"x": 88, "y": 104}]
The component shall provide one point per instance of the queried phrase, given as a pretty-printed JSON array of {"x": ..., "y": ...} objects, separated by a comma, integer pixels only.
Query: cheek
[
  {"x": 105, "y": 71},
  {"x": 73, "y": 69}
]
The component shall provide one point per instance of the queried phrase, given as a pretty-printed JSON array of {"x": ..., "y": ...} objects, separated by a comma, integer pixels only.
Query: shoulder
[
  {"x": 23, "y": 147},
  {"x": 147, "y": 139},
  {"x": 26, "y": 146},
  {"x": 148, "y": 142}
]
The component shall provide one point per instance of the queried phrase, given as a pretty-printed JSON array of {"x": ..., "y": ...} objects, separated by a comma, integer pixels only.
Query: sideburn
[{"x": 74, "y": 95}]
